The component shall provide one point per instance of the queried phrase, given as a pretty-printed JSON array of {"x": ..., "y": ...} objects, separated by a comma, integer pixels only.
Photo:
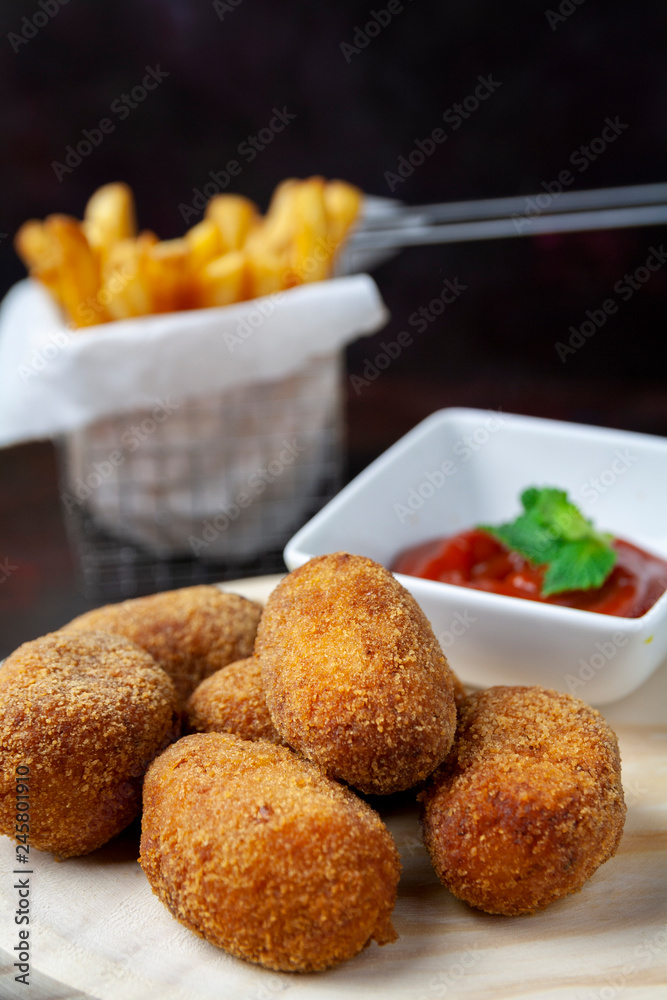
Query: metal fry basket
[
  {"x": 197, "y": 490},
  {"x": 211, "y": 488}
]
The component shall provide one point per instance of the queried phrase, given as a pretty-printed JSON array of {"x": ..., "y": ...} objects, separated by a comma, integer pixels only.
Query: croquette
[
  {"x": 354, "y": 678},
  {"x": 460, "y": 693},
  {"x": 232, "y": 700},
  {"x": 528, "y": 804},
  {"x": 82, "y": 715},
  {"x": 190, "y": 633},
  {"x": 258, "y": 852}
]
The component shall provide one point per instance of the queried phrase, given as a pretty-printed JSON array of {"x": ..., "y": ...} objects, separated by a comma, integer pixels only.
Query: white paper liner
[
  {"x": 206, "y": 433},
  {"x": 54, "y": 380}
]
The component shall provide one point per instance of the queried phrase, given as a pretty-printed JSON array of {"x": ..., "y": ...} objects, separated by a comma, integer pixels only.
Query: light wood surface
[{"x": 97, "y": 930}]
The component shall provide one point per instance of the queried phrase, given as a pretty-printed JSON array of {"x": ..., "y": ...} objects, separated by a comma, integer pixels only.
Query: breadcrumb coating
[
  {"x": 232, "y": 700},
  {"x": 258, "y": 852},
  {"x": 354, "y": 678},
  {"x": 86, "y": 713},
  {"x": 191, "y": 632},
  {"x": 460, "y": 693},
  {"x": 529, "y": 802}
]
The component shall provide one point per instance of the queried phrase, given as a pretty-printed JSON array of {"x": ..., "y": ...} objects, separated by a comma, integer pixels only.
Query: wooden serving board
[{"x": 97, "y": 931}]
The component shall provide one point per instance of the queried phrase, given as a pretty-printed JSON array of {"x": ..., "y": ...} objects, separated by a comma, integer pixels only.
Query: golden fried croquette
[
  {"x": 232, "y": 700},
  {"x": 261, "y": 854},
  {"x": 460, "y": 693},
  {"x": 190, "y": 633},
  {"x": 529, "y": 802},
  {"x": 354, "y": 677},
  {"x": 85, "y": 713}
]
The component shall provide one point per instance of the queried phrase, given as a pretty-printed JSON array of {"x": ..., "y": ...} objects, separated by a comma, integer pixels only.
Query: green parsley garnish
[{"x": 553, "y": 532}]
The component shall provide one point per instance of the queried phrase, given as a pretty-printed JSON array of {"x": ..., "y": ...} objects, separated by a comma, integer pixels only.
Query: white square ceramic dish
[{"x": 462, "y": 467}]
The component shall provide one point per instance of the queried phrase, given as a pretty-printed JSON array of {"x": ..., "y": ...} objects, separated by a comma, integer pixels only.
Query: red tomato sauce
[{"x": 476, "y": 559}]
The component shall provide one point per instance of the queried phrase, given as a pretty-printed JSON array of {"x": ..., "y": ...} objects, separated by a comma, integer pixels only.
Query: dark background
[{"x": 495, "y": 346}]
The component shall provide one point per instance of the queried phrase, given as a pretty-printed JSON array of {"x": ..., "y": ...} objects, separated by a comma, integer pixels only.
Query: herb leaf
[
  {"x": 587, "y": 563},
  {"x": 552, "y": 531}
]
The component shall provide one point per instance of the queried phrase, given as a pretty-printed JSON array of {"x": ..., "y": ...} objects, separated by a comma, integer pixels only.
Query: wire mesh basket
[{"x": 191, "y": 491}]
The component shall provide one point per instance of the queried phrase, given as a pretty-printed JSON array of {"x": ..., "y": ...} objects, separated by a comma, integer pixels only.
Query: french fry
[
  {"x": 78, "y": 271},
  {"x": 234, "y": 216},
  {"x": 35, "y": 246},
  {"x": 342, "y": 203},
  {"x": 311, "y": 250},
  {"x": 277, "y": 228},
  {"x": 100, "y": 269},
  {"x": 125, "y": 288},
  {"x": 168, "y": 276},
  {"x": 224, "y": 280},
  {"x": 109, "y": 217},
  {"x": 267, "y": 272},
  {"x": 204, "y": 244}
]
